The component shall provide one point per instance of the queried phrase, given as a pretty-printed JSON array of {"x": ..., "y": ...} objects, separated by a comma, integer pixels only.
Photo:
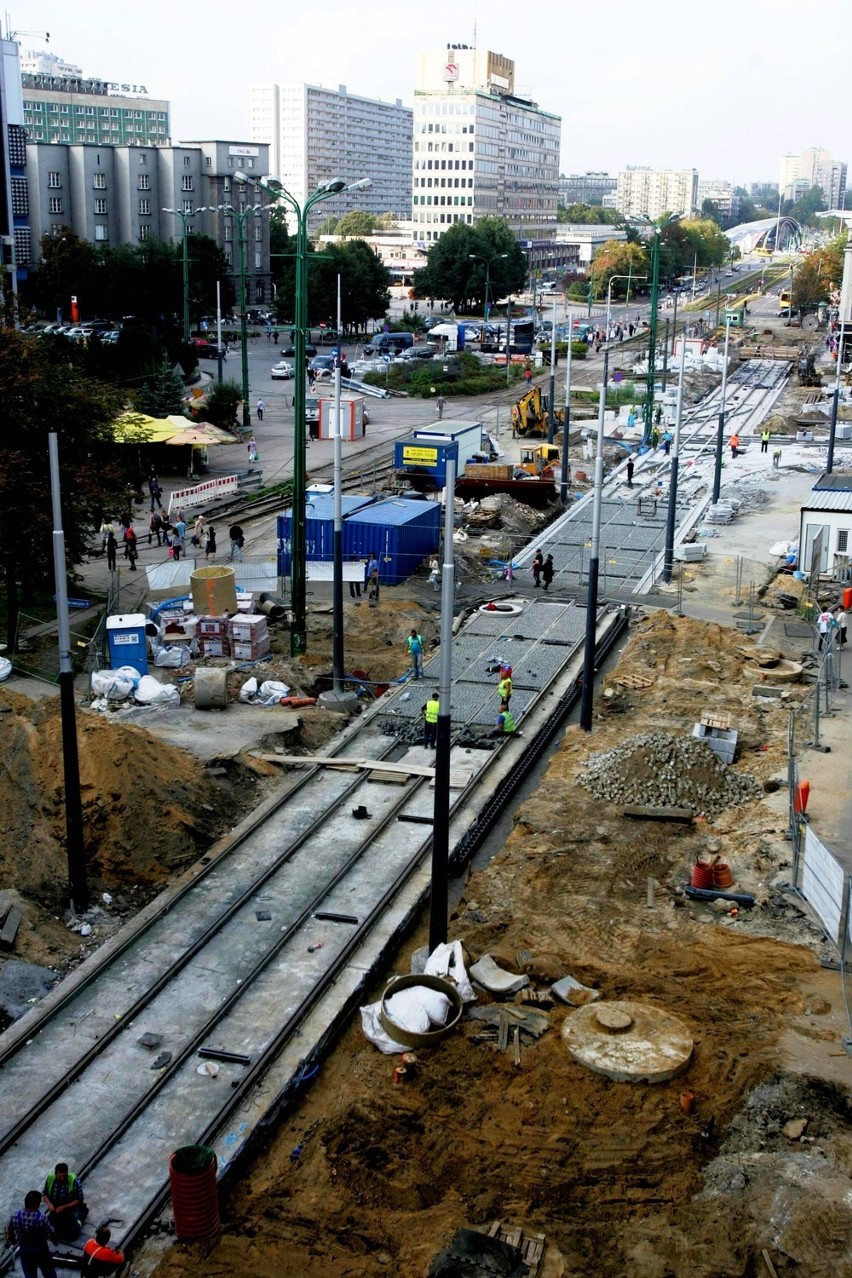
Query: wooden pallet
[
  {"x": 531, "y": 1246},
  {"x": 721, "y": 721},
  {"x": 631, "y": 680}
]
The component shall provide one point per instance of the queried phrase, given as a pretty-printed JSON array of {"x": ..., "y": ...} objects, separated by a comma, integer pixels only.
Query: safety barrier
[
  {"x": 824, "y": 884},
  {"x": 203, "y": 493}
]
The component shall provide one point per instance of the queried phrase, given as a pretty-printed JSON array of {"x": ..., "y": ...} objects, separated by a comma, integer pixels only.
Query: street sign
[
  {"x": 618, "y": 376},
  {"x": 335, "y": 350}
]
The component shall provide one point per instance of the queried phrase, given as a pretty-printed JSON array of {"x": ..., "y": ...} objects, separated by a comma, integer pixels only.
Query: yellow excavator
[
  {"x": 541, "y": 460},
  {"x": 530, "y": 414}
]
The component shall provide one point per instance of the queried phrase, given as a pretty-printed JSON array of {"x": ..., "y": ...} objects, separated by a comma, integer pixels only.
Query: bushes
[
  {"x": 465, "y": 375},
  {"x": 579, "y": 350}
]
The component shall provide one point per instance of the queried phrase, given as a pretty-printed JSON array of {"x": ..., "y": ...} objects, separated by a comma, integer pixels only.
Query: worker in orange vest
[{"x": 735, "y": 444}]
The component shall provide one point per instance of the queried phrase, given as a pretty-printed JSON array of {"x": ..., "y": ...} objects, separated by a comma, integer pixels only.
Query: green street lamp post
[
  {"x": 487, "y": 260},
  {"x": 652, "y": 335},
  {"x": 184, "y": 218},
  {"x": 241, "y": 216},
  {"x": 298, "y": 547}
]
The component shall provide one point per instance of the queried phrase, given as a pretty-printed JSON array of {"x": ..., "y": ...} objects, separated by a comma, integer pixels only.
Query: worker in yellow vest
[
  {"x": 430, "y": 722},
  {"x": 506, "y": 725},
  {"x": 504, "y": 687},
  {"x": 764, "y": 441}
]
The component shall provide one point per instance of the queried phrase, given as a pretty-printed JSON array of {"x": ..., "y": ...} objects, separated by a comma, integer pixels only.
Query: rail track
[{"x": 231, "y": 966}]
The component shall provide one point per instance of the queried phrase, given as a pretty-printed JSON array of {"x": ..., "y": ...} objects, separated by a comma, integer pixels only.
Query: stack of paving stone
[{"x": 661, "y": 770}]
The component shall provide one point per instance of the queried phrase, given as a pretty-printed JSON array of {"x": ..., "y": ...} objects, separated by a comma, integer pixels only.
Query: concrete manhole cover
[{"x": 628, "y": 1042}]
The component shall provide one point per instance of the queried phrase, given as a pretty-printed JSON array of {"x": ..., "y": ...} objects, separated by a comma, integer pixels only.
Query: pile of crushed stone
[{"x": 661, "y": 770}]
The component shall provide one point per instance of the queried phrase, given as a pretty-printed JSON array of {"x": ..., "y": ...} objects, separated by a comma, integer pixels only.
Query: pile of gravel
[{"x": 657, "y": 769}]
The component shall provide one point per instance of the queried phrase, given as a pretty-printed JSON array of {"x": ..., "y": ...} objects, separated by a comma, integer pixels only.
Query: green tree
[
  {"x": 161, "y": 394},
  {"x": 328, "y": 226},
  {"x": 282, "y": 248},
  {"x": 808, "y": 205},
  {"x": 68, "y": 267},
  {"x": 207, "y": 267},
  {"x": 617, "y": 257},
  {"x": 819, "y": 275},
  {"x": 356, "y": 222},
  {"x": 364, "y": 284},
  {"x": 457, "y": 263},
  {"x": 588, "y": 214},
  {"x": 42, "y": 391},
  {"x": 221, "y": 406}
]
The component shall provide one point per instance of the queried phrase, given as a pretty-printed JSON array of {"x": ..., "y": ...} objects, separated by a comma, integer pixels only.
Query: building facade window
[
  {"x": 101, "y": 207},
  {"x": 144, "y": 231},
  {"x": 188, "y": 206},
  {"x": 54, "y": 181},
  {"x": 144, "y": 208},
  {"x": 186, "y": 182},
  {"x": 101, "y": 231},
  {"x": 55, "y": 204},
  {"x": 144, "y": 183},
  {"x": 186, "y": 161},
  {"x": 99, "y": 181}
]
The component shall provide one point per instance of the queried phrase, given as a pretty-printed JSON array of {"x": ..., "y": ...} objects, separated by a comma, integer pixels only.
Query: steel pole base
[
  {"x": 298, "y": 642},
  {"x": 338, "y": 702}
]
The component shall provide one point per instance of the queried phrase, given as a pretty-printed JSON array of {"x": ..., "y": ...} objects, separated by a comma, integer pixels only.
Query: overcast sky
[{"x": 727, "y": 87}]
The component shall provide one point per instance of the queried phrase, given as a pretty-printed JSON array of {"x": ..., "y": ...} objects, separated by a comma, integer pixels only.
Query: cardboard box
[
  {"x": 214, "y": 646},
  {"x": 213, "y": 626},
  {"x": 249, "y": 627},
  {"x": 243, "y": 650}
]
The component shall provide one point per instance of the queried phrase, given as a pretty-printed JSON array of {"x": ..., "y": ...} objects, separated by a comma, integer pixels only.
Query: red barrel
[
  {"x": 195, "y": 1202},
  {"x": 847, "y": 598},
  {"x": 702, "y": 875}
]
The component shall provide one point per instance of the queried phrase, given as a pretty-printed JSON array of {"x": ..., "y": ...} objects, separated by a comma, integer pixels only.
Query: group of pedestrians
[
  {"x": 542, "y": 570},
  {"x": 57, "y": 1214},
  {"x": 831, "y": 622}
]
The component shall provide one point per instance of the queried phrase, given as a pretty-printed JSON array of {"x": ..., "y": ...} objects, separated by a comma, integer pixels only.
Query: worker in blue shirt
[{"x": 31, "y": 1229}]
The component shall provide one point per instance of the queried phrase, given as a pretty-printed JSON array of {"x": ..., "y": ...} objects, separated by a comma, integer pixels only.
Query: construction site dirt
[{"x": 738, "y": 1167}]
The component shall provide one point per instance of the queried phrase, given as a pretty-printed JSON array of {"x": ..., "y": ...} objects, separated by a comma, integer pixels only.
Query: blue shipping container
[
  {"x": 400, "y": 533},
  {"x": 425, "y": 457},
  {"x": 319, "y": 527}
]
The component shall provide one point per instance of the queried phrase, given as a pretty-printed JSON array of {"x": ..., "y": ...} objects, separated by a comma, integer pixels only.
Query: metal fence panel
[{"x": 822, "y": 885}]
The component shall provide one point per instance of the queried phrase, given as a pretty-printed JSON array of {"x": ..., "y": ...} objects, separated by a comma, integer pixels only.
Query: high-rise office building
[
  {"x": 814, "y": 167},
  {"x": 652, "y": 193},
  {"x": 585, "y": 188},
  {"x": 318, "y": 135},
  {"x": 479, "y": 149},
  {"x": 62, "y": 105},
  {"x": 119, "y": 194},
  {"x": 14, "y": 201}
]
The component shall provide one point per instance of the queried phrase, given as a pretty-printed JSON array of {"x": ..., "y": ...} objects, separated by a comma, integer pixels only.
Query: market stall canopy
[
  {"x": 203, "y": 435},
  {"x": 140, "y": 428}
]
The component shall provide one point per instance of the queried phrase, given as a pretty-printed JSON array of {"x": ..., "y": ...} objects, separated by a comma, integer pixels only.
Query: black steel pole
[
  {"x": 587, "y": 692},
  {"x": 441, "y": 808},
  {"x": 674, "y": 323},
  {"x": 668, "y": 555},
  {"x": 76, "y": 847},
  {"x": 666, "y": 357}
]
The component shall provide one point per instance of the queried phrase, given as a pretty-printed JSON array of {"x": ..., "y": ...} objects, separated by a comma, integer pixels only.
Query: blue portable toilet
[
  {"x": 399, "y": 532},
  {"x": 127, "y": 642}
]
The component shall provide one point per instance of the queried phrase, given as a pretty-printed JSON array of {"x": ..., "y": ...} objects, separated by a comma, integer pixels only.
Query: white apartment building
[
  {"x": 721, "y": 194},
  {"x": 479, "y": 150},
  {"x": 318, "y": 135},
  {"x": 814, "y": 167},
  {"x": 654, "y": 192}
]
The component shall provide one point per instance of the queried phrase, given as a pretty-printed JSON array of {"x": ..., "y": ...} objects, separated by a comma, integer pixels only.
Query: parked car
[
  {"x": 204, "y": 349},
  {"x": 282, "y": 371},
  {"x": 416, "y": 354},
  {"x": 323, "y": 367},
  {"x": 289, "y": 352}
]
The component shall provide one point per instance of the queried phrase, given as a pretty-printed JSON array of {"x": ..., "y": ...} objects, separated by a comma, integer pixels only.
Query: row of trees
[
  {"x": 144, "y": 280},
  {"x": 819, "y": 275}
]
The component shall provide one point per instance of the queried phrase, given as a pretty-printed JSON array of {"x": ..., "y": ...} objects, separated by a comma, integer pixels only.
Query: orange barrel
[
  {"x": 800, "y": 802},
  {"x": 847, "y": 598},
  {"x": 195, "y": 1202},
  {"x": 722, "y": 875}
]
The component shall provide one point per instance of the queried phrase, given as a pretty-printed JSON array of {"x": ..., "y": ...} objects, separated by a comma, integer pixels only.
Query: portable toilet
[{"x": 127, "y": 641}]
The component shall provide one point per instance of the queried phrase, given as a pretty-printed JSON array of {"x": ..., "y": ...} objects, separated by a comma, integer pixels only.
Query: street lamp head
[
  {"x": 242, "y": 179},
  {"x": 361, "y": 185},
  {"x": 167, "y": 210},
  {"x": 332, "y": 188},
  {"x": 273, "y": 185}
]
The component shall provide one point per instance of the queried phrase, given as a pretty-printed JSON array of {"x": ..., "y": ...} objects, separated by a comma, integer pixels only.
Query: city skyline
[{"x": 713, "y": 92}]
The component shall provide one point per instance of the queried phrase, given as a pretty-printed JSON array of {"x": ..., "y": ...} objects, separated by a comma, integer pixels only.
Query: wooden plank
[
  {"x": 773, "y": 1272},
  {"x": 639, "y": 812},
  {"x": 10, "y": 928},
  {"x": 494, "y": 1229},
  {"x": 516, "y": 1051}
]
